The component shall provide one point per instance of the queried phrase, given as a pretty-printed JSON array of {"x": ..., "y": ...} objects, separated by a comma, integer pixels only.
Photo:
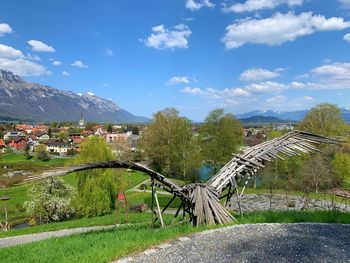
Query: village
[{"x": 66, "y": 141}]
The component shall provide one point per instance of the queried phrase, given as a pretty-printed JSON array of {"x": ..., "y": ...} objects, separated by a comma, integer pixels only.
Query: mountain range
[
  {"x": 22, "y": 100},
  {"x": 286, "y": 116}
]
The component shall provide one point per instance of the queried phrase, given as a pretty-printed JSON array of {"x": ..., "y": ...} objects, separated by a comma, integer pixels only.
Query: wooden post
[
  {"x": 233, "y": 180},
  {"x": 152, "y": 204},
  {"x": 159, "y": 212}
]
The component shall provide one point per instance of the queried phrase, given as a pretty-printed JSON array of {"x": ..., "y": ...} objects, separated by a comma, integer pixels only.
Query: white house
[{"x": 60, "y": 148}]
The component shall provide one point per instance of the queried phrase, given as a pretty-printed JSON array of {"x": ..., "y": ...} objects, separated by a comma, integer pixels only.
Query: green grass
[
  {"x": 294, "y": 217},
  {"x": 18, "y": 158},
  {"x": 84, "y": 222},
  {"x": 19, "y": 194},
  {"x": 104, "y": 246}
]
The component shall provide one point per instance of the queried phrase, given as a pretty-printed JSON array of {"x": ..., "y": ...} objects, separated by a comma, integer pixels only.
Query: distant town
[{"x": 65, "y": 138}]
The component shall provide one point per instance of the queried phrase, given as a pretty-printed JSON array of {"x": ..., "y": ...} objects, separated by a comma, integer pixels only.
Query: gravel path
[
  {"x": 16, "y": 240},
  {"x": 263, "y": 202},
  {"x": 302, "y": 242}
]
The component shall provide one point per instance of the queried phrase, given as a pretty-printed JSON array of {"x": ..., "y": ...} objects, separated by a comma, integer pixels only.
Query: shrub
[{"x": 50, "y": 200}]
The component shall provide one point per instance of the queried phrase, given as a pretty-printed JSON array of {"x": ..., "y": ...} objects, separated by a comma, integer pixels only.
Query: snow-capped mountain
[{"x": 32, "y": 101}]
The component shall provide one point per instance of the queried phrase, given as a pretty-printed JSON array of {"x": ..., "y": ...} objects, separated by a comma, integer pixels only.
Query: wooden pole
[
  {"x": 152, "y": 204},
  {"x": 159, "y": 212}
]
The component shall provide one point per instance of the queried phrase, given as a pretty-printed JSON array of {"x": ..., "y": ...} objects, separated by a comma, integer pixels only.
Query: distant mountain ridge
[
  {"x": 263, "y": 119},
  {"x": 295, "y": 116},
  {"x": 23, "y": 100}
]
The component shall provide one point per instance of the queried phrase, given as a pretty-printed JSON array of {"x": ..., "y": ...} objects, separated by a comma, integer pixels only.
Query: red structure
[{"x": 18, "y": 144}]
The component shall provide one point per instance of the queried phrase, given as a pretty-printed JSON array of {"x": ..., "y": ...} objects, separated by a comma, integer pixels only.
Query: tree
[
  {"x": 325, "y": 119},
  {"x": 220, "y": 136},
  {"x": 97, "y": 188},
  {"x": 27, "y": 152},
  {"x": 135, "y": 130},
  {"x": 41, "y": 153},
  {"x": 50, "y": 200},
  {"x": 168, "y": 142},
  {"x": 109, "y": 128},
  {"x": 63, "y": 136},
  {"x": 49, "y": 132},
  {"x": 341, "y": 167},
  {"x": 315, "y": 174}
]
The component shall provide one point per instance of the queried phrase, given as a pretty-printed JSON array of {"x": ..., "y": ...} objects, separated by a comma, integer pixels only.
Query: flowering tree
[{"x": 50, "y": 200}]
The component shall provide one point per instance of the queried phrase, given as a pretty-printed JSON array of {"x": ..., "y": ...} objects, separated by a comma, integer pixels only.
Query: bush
[
  {"x": 50, "y": 200},
  {"x": 43, "y": 156}
]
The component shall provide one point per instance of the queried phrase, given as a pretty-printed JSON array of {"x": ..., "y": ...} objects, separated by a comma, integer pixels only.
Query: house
[
  {"x": 99, "y": 130},
  {"x": 40, "y": 128},
  {"x": 116, "y": 137},
  {"x": 2, "y": 146},
  {"x": 42, "y": 136},
  {"x": 18, "y": 143},
  {"x": 32, "y": 141},
  {"x": 28, "y": 129},
  {"x": 12, "y": 135},
  {"x": 76, "y": 141},
  {"x": 60, "y": 148}
]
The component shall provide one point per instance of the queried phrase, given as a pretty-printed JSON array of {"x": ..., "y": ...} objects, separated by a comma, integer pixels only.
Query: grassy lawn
[
  {"x": 104, "y": 246},
  {"x": 18, "y": 194},
  {"x": 84, "y": 222},
  {"x": 17, "y": 158}
]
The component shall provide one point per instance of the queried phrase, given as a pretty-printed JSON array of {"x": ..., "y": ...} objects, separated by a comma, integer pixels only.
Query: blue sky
[{"x": 194, "y": 55}]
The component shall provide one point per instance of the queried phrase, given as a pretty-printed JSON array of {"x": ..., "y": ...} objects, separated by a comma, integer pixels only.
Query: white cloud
[
  {"x": 10, "y": 52},
  {"x": 56, "y": 63},
  {"x": 266, "y": 87},
  {"x": 194, "y": 91},
  {"x": 347, "y": 37},
  {"x": 33, "y": 57},
  {"x": 163, "y": 38},
  {"x": 258, "y": 74},
  {"x": 65, "y": 73},
  {"x": 308, "y": 98},
  {"x": 178, "y": 80},
  {"x": 109, "y": 52},
  {"x": 39, "y": 46},
  {"x": 5, "y": 29},
  {"x": 23, "y": 67},
  {"x": 79, "y": 64},
  {"x": 279, "y": 28},
  {"x": 198, "y": 4},
  {"x": 334, "y": 75},
  {"x": 256, "y": 5}
]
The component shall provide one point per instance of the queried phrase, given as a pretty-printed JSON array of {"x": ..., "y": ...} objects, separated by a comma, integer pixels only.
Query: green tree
[
  {"x": 50, "y": 200},
  {"x": 96, "y": 188},
  {"x": 27, "y": 152},
  {"x": 109, "y": 128},
  {"x": 220, "y": 136},
  {"x": 49, "y": 132},
  {"x": 41, "y": 153},
  {"x": 341, "y": 167},
  {"x": 325, "y": 119},
  {"x": 135, "y": 130},
  {"x": 168, "y": 142},
  {"x": 63, "y": 136}
]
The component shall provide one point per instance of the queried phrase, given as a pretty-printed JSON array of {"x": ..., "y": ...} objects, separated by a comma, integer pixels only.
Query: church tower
[{"x": 81, "y": 121}]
